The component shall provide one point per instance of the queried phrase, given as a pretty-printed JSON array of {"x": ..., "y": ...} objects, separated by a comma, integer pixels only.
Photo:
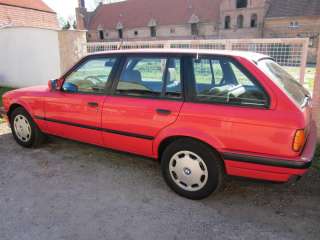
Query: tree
[{"x": 66, "y": 26}]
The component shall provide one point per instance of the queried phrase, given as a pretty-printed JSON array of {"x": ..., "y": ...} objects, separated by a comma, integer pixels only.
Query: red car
[{"x": 203, "y": 114}]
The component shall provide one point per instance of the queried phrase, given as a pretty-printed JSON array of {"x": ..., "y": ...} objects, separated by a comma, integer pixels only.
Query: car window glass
[
  {"x": 225, "y": 83},
  {"x": 90, "y": 77},
  {"x": 146, "y": 77}
]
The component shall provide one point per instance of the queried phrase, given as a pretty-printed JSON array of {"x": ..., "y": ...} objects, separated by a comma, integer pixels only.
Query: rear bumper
[{"x": 273, "y": 169}]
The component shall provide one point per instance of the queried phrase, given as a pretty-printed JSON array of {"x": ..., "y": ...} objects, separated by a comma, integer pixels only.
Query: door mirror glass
[{"x": 70, "y": 87}]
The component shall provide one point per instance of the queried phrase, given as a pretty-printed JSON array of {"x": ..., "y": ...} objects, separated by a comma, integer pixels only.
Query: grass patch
[
  {"x": 3, "y": 90},
  {"x": 316, "y": 163}
]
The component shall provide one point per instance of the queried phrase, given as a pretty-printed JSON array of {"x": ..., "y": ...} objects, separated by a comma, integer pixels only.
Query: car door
[
  {"x": 147, "y": 96},
  {"x": 75, "y": 111}
]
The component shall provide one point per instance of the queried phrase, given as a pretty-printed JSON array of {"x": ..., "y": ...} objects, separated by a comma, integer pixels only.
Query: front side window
[
  {"x": 151, "y": 77},
  {"x": 284, "y": 80},
  {"x": 90, "y": 77},
  {"x": 220, "y": 80}
]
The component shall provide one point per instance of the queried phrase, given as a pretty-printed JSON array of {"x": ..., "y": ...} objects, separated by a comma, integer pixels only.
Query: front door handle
[
  {"x": 93, "y": 104},
  {"x": 163, "y": 112}
]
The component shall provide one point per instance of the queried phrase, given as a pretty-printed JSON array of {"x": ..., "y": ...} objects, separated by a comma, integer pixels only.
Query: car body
[{"x": 141, "y": 101}]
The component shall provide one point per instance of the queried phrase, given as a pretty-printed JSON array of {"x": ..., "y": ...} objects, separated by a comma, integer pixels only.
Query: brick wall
[{"x": 17, "y": 16}]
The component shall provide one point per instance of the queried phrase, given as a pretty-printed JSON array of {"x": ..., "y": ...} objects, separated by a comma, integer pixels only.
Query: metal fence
[{"x": 288, "y": 52}]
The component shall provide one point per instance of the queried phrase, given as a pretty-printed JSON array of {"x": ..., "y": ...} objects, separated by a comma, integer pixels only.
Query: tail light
[{"x": 299, "y": 140}]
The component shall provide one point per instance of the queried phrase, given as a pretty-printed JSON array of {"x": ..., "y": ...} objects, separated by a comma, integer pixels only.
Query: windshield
[{"x": 284, "y": 80}]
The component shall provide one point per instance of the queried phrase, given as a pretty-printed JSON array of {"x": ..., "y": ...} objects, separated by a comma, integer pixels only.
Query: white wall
[{"x": 28, "y": 56}]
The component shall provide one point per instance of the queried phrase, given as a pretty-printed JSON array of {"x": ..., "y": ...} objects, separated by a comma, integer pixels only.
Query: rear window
[{"x": 284, "y": 80}]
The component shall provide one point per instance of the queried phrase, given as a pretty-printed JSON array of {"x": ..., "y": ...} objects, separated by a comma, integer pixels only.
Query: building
[
  {"x": 293, "y": 18},
  {"x": 201, "y": 19},
  {"x": 27, "y": 13},
  {"x": 242, "y": 18}
]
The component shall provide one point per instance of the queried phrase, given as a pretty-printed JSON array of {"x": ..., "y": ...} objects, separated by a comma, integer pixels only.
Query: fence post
[
  {"x": 304, "y": 59},
  {"x": 316, "y": 92}
]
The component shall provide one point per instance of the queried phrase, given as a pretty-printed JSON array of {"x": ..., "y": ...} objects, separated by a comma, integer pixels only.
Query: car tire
[
  {"x": 25, "y": 131},
  {"x": 192, "y": 169}
]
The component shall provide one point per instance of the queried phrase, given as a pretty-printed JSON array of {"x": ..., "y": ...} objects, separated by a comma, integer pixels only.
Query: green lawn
[
  {"x": 309, "y": 75},
  {"x": 317, "y": 158},
  {"x": 3, "y": 90}
]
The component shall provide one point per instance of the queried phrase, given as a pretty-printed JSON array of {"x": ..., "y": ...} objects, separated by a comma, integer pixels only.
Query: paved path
[{"x": 68, "y": 190}]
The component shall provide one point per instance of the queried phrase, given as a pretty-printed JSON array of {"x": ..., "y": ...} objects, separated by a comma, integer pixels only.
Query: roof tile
[
  {"x": 138, "y": 13},
  {"x": 32, "y": 4}
]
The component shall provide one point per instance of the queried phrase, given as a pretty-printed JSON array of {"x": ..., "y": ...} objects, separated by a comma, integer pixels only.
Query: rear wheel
[
  {"x": 191, "y": 169},
  {"x": 24, "y": 129}
]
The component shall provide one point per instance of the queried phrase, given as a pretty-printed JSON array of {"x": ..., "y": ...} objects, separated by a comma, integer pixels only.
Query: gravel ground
[{"x": 69, "y": 190}]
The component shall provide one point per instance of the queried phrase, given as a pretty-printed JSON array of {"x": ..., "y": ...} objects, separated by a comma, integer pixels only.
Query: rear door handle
[
  {"x": 163, "y": 112},
  {"x": 93, "y": 104}
]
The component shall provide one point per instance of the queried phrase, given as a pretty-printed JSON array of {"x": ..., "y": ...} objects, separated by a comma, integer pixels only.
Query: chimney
[{"x": 81, "y": 13}]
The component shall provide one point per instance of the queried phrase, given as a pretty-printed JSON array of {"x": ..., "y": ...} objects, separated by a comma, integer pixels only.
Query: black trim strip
[
  {"x": 96, "y": 128},
  {"x": 266, "y": 161}
]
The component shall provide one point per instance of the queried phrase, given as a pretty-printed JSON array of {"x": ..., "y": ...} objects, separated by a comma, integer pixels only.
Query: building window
[
  {"x": 101, "y": 35},
  {"x": 254, "y": 21},
  {"x": 153, "y": 31},
  {"x": 242, "y": 3},
  {"x": 294, "y": 25},
  {"x": 120, "y": 33},
  {"x": 194, "y": 29},
  {"x": 240, "y": 21},
  {"x": 227, "y": 21},
  {"x": 136, "y": 33}
]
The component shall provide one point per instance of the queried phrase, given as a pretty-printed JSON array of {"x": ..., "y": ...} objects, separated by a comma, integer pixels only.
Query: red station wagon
[{"x": 203, "y": 114}]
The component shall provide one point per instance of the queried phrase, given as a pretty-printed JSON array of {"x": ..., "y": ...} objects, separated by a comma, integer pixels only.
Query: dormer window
[
  {"x": 194, "y": 29},
  {"x": 242, "y": 3},
  {"x": 227, "y": 21},
  {"x": 101, "y": 35}
]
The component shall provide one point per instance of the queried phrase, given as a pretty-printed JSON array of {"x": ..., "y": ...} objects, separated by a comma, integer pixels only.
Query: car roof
[{"x": 252, "y": 56}]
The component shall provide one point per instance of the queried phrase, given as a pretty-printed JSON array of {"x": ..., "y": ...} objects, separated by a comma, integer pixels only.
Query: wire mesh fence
[{"x": 288, "y": 52}]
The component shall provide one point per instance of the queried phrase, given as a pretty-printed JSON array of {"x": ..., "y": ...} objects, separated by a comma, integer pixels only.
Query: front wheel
[
  {"x": 24, "y": 129},
  {"x": 191, "y": 169}
]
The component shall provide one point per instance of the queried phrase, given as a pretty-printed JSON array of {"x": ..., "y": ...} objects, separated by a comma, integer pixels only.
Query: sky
[{"x": 66, "y": 8}]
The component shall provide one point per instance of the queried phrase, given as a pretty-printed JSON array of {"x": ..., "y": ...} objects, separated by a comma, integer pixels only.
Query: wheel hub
[
  {"x": 22, "y": 128},
  {"x": 188, "y": 170}
]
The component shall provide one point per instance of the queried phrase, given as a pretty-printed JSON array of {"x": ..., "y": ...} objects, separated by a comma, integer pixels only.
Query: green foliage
[
  {"x": 3, "y": 90},
  {"x": 317, "y": 158},
  {"x": 66, "y": 26}
]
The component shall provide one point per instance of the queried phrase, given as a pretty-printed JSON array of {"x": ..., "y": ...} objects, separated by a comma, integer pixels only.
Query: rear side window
[
  {"x": 220, "y": 80},
  {"x": 151, "y": 77},
  {"x": 284, "y": 80}
]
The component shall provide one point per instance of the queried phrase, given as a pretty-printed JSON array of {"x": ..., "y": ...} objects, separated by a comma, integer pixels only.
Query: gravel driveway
[{"x": 69, "y": 190}]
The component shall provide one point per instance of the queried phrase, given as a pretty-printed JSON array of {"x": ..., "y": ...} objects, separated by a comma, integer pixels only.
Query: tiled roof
[
  {"x": 139, "y": 13},
  {"x": 30, "y": 4},
  {"x": 293, "y": 8}
]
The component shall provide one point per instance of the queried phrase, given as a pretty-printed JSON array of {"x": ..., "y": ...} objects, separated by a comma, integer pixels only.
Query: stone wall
[
  {"x": 22, "y": 17},
  {"x": 72, "y": 47}
]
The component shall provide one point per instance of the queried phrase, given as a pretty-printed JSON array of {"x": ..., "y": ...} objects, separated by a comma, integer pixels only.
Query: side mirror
[
  {"x": 70, "y": 87},
  {"x": 55, "y": 84},
  {"x": 52, "y": 84}
]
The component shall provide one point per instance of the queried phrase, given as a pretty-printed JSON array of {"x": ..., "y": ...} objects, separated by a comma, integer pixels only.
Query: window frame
[
  {"x": 83, "y": 61},
  {"x": 122, "y": 65},
  {"x": 191, "y": 82}
]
